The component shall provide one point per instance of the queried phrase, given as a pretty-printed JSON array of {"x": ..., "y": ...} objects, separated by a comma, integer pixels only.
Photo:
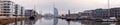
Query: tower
[
  {"x": 55, "y": 15},
  {"x": 55, "y": 11},
  {"x": 68, "y": 13}
]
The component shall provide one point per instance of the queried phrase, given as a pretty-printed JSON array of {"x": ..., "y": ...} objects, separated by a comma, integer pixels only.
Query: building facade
[
  {"x": 18, "y": 10},
  {"x": 86, "y": 14},
  {"x": 29, "y": 13},
  {"x": 115, "y": 12},
  {"x": 101, "y": 13},
  {"x": 72, "y": 15},
  {"x": 8, "y": 8},
  {"x": 55, "y": 12}
]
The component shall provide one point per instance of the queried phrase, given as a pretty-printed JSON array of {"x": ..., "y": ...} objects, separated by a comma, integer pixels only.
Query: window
[
  {"x": 6, "y": 1},
  {"x": 6, "y": 9},
  {"x": 6, "y": 6},
  {"x": 5, "y": 12},
  {"x": 0, "y": 14}
]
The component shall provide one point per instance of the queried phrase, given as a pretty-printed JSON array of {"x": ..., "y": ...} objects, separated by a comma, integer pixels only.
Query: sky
[{"x": 46, "y": 6}]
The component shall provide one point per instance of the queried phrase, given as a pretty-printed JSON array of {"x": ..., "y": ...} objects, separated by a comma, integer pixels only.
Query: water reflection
[
  {"x": 24, "y": 22},
  {"x": 118, "y": 23},
  {"x": 30, "y": 22},
  {"x": 68, "y": 21},
  {"x": 56, "y": 21}
]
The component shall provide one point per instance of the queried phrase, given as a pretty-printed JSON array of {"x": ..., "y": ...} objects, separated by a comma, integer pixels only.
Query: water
[{"x": 52, "y": 21}]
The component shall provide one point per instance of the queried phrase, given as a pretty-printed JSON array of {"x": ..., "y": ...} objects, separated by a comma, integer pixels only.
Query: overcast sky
[{"x": 46, "y": 6}]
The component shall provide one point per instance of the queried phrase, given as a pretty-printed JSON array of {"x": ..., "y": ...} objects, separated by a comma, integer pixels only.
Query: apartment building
[
  {"x": 6, "y": 8},
  {"x": 9, "y": 8},
  {"x": 115, "y": 12},
  {"x": 18, "y": 10}
]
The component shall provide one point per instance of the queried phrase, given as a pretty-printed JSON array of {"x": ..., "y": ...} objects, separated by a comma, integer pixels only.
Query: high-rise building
[
  {"x": 18, "y": 10},
  {"x": 55, "y": 12},
  {"x": 6, "y": 7},
  {"x": 9, "y": 8}
]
